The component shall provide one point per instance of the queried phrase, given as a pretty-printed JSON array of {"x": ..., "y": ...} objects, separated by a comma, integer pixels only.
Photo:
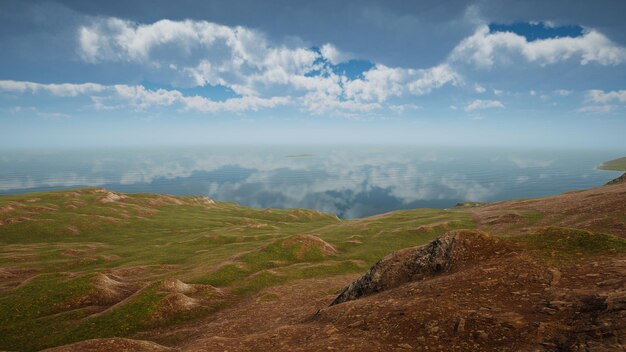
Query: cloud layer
[{"x": 264, "y": 73}]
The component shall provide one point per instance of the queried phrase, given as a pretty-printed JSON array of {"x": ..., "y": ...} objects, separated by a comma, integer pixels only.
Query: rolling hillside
[{"x": 113, "y": 271}]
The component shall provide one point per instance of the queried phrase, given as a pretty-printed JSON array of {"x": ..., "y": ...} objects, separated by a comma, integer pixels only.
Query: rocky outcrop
[
  {"x": 621, "y": 179},
  {"x": 452, "y": 250}
]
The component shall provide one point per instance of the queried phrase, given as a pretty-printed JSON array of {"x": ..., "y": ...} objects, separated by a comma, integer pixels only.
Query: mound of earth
[
  {"x": 306, "y": 243},
  {"x": 114, "y": 344},
  {"x": 450, "y": 251},
  {"x": 181, "y": 297},
  {"x": 110, "y": 197},
  {"x": 108, "y": 289}
]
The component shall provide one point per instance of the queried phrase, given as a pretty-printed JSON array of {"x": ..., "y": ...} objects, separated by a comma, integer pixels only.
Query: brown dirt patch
[
  {"x": 11, "y": 278},
  {"x": 111, "y": 197}
]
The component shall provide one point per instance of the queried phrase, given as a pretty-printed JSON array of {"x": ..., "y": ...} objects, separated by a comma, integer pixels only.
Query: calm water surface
[{"x": 347, "y": 181}]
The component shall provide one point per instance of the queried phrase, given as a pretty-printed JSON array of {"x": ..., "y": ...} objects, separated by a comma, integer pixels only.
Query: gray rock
[{"x": 416, "y": 263}]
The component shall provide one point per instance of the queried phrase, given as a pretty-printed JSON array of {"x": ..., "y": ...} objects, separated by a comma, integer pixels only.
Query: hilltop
[{"x": 106, "y": 271}]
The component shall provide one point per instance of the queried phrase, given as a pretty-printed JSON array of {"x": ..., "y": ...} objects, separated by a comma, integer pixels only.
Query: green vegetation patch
[
  {"x": 140, "y": 240},
  {"x": 564, "y": 244},
  {"x": 614, "y": 165}
]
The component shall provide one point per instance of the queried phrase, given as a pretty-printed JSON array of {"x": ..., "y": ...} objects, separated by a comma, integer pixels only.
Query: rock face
[
  {"x": 452, "y": 250},
  {"x": 618, "y": 180}
]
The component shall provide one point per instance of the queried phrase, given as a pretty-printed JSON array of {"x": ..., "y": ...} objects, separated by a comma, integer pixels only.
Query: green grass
[
  {"x": 185, "y": 241},
  {"x": 558, "y": 244},
  {"x": 614, "y": 165}
]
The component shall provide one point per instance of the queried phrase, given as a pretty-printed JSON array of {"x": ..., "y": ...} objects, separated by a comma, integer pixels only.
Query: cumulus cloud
[
  {"x": 266, "y": 74},
  {"x": 599, "y": 96},
  {"x": 479, "y": 104},
  {"x": 334, "y": 55},
  {"x": 200, "y": 53},
  {"x": 486, "y": 49},
  {"x": 602, "y": 102},
  {"x": 206, "y": 53},
  {"x": 382, "y": 82}
]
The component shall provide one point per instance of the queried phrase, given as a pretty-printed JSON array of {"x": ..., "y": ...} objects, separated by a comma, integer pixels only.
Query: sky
[{"x": 460, "y": 73}]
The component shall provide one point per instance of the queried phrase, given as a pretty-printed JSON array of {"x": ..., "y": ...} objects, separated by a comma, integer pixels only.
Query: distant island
[{"x": 614, "y": 165}]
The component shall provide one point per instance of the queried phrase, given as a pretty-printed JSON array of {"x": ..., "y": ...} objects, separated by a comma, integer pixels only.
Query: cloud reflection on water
[{"x": 346, "y": 181}]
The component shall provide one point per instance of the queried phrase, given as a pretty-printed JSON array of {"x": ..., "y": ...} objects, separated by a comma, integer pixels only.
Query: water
[{"x": 347, "y": 181}]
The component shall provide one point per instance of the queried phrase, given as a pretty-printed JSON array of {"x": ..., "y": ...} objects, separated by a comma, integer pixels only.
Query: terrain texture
[{"x": 95, "y": 270}]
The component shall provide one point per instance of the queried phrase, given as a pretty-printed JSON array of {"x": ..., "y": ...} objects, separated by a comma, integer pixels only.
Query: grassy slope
[
  {"x": 614, "y": 165},
  {"x": 67, "y": 237}
]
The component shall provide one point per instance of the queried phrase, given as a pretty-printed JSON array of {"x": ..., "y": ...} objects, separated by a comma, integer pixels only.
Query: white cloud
[
  {"x": 120, "y": 96},
  {"x": 334, "y": 55},
  {"x": 597, "y": 109},
  {"x": 402, "y": 108},
  {"x": 563, "y": 92},
  {"x": 140, "y": 97},
  {"x": 320, "y": 103},
  {"x": 432, "y": 78},
  {"x": 377, "y": 84},
  {"x": 485, "y": 49},
  {"x": 247, "y": 103},
  {"x": 382, "y": 82},
  {"x": 143, "y": 98},
  {"x": 599, "y": 96},
  {"x": 60, "y": 90},
  {"x": 479, "y": 89},
  {"x": 603, "y": 100},
  {"x": 199, "y": 53},
  {"x": 479, "y": 104}
]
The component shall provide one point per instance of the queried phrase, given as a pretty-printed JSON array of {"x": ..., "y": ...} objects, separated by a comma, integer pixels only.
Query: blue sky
[{"x": 115, "y": 73}]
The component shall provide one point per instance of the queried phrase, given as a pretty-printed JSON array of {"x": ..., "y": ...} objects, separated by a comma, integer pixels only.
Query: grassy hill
[
  {"x": 614, "y": 165},
  {"x": 90, "y": 263}
]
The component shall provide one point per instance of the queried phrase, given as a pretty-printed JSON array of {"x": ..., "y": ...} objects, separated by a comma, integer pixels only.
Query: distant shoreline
[{"x": 614, "y": 165}]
